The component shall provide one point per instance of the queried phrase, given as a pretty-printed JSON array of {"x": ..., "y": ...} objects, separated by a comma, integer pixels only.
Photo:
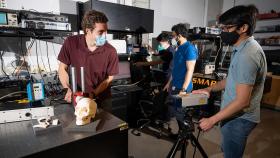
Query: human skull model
[{"x": 84, "y": 110}]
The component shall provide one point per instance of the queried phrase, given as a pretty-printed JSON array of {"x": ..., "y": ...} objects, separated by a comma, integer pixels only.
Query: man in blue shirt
[
  {"x": 183, "y": 61},
  {"x": 183, "y": 67},
  {"x": 240, "y": 108}
]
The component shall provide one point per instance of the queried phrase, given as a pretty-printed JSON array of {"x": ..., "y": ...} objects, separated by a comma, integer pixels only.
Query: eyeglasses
[{"x": 226, "y": 27}]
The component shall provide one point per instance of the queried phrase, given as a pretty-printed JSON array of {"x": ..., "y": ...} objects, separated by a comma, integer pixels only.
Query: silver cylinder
[
  {"x": 73, "y": 79},
  {"x": 83, "y": 79}
]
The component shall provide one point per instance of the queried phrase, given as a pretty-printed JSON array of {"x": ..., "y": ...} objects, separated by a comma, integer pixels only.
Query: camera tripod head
[{"x": 187, "y": 124}]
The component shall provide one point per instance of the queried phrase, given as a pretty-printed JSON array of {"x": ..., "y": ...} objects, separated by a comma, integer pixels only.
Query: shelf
[
  {"x": 268, "y": 16},
  {"x": 267, "y": 32},
  {"x": 275, "y": 18},
  {"x": 34, "y": 33},
  {"x": 193, "y": 36},
  {"x": 274, "y": 45}
]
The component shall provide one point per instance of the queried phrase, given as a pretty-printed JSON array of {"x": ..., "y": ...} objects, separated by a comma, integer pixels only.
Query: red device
[{"x": 74, "y": 85}]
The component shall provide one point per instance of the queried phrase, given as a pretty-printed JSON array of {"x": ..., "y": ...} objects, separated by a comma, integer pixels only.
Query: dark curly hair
[
  {"x": 163, "y": 37},
  {"x": 240, "y": 15},
  {"x": 91, "y": 17},
  {"x": 180, "y": 29}
]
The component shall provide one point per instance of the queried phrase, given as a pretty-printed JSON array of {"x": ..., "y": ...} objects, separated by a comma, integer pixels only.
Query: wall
[
  {"x": 227, "y": 4},
  {"x": 262, "y": 5},
  {"x": 214, "y": 9},
  {"x": 53, "y": 6},
  {"x": 67, "y": 6},
  {"x": 170, "y": 12},
  {"x": 39, "y": 5}
]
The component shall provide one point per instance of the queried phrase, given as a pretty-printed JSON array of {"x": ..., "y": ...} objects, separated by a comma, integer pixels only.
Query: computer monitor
[
  {"x": 119, "y": 45},
  {"x": 3, "y": 18},
  {"x": 124, "y": 70}
]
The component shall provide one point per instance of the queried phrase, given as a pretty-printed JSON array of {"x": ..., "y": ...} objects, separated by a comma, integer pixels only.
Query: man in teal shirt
[{"x": 240, "y": 108}]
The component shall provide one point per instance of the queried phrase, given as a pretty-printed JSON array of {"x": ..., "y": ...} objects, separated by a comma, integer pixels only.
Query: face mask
[
  {"x": 160, "y": 48},
  {"x": 100, "y": 40},
  {"x": 230, "y": 38},
  {"x": 174, "y": 42}
]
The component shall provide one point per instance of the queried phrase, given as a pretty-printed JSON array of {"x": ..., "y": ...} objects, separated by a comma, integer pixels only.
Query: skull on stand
[{"x": 85, "y": 110}]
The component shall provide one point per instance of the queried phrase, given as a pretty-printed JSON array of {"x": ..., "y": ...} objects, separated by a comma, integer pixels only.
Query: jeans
[{"x": 234, "y": 136}]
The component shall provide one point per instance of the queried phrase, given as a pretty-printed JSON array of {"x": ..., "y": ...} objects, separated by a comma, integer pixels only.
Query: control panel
[
  {"x": 8, "y": 19},
  {"x": 3, "y": 4},
  {"x": 35, "y": 91}
]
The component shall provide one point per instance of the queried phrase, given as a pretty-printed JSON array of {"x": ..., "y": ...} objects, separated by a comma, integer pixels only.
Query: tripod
[{"x": 185, "y": 134}]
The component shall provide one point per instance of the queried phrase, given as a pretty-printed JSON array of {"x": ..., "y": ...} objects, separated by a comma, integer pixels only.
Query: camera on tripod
[
  {"x": 187, "y": 123},
  {"x": 189, "y": 103}
]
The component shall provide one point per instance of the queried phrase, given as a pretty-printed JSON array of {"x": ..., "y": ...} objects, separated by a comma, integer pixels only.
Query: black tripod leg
[
  {"x": 174, "y": 148},
  {"x": 203, "y": 153},
  {"x": 184, "y": 148}
]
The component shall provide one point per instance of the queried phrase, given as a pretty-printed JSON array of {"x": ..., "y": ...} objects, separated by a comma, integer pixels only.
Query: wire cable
[
  {"x": 18, "y": 92},
  {"x": 223, "y": 57},
  {"x": 28, "y": 52},
  {"x": 55, "y": 54},
  {"x": 42, "y": 55},
  {"x": 48, "y": 56},
  {"x": 22, "y": 53},
  {"x": 218, "y": 50},
  {"x": 39, "y": 69},
  {"x": 194, "y": 151},
  {"x": 37, "y": 59},
  {"x": 127, "y": 85},
  {"x": 34, "y": 10},
  {"x": 2, "y": 64}
]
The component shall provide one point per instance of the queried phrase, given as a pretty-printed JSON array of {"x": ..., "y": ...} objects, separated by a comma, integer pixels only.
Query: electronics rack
[
  {"x": 220, "y": 52},
  {"x": 13, "y": 23}
]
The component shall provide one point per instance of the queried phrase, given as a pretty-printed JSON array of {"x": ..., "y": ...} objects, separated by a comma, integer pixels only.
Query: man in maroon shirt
[{"x": 91, "y": 51}]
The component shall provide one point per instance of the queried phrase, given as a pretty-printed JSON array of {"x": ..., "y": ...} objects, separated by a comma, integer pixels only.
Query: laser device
[{"x": 191, "y": 100}]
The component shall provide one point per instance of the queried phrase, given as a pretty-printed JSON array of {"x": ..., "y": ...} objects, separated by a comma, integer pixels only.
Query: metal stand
[
  {"x": 185, "y": 134},
  {"x": 183, "y": 138}
]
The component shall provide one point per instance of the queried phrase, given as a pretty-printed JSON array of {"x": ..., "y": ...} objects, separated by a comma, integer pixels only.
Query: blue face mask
[
  {"x": 160, "y": 48},
  {"x": 100, "y": 40}
]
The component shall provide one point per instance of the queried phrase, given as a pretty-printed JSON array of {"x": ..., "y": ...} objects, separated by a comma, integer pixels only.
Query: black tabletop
[{"x": 17, "y": 139}]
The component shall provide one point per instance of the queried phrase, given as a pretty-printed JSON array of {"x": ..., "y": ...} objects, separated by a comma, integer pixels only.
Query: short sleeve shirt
[
  {"x": 248, "y": 66},
  {"x": 98, "y": 65},
  {"x": 185, "y": 52}
]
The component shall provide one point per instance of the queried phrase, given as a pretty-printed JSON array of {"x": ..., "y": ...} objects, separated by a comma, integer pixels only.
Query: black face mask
[{"x": 230, "y": 38}]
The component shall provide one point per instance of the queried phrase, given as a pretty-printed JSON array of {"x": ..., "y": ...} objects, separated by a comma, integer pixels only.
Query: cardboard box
[{"x": 273, "y": 97}]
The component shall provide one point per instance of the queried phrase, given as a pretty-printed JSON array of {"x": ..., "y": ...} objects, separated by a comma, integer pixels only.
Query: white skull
[{"x": 84, "y": 110}]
